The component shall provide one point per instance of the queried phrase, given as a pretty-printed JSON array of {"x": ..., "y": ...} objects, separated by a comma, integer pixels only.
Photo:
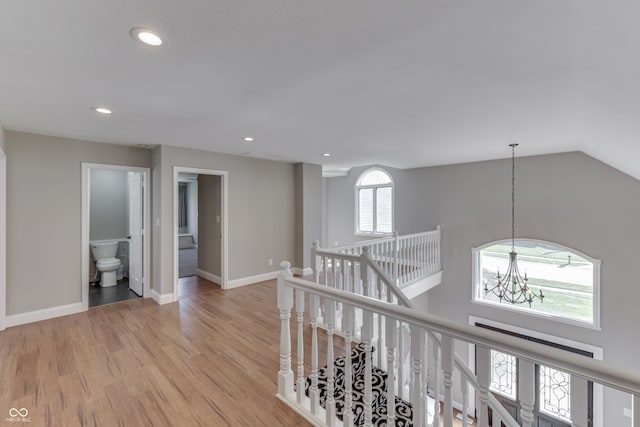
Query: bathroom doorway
[
  {"x": 115, "y": 247},
  {"x": 200, "y": 230}
]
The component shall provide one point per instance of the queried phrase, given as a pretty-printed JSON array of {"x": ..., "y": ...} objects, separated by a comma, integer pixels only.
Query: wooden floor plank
[{"x": 209, "y": 359}]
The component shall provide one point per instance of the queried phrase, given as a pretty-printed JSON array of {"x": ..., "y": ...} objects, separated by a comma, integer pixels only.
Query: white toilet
[{"x": 106, "y": 262}]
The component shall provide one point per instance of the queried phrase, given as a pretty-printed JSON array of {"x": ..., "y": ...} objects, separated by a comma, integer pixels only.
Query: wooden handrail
[{"x": 589, "y": 369}]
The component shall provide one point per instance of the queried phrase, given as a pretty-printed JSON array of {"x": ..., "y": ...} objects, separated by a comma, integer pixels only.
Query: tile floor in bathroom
[{"x": 101, "y": 296}]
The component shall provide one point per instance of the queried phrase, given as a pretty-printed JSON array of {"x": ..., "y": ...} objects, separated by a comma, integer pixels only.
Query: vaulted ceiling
[{"x": 400, "y": 83}]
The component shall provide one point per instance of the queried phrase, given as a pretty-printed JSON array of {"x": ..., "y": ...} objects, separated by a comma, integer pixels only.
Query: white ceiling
[{"x": 400, "y": 83}]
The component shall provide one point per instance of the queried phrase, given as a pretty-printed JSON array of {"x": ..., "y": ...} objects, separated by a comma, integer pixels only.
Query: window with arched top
[
  {"x": 569, "y": 279},
  {"x": 374, "y": 202}
]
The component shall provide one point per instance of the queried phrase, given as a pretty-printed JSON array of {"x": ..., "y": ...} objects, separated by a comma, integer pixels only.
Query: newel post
[{"x": 285, "y": 303}]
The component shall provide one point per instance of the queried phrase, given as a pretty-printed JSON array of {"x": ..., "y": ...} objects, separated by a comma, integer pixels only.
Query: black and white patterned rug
[{"x": 403, "y": 409}]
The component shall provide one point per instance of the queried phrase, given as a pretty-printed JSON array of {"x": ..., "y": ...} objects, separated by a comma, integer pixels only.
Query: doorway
[
  {"x": 202, "y": 233},
  {"x": 115, "y": 247}
]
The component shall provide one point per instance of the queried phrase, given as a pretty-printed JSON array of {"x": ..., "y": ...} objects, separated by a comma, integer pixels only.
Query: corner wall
[{"x": 43, "y": 216}]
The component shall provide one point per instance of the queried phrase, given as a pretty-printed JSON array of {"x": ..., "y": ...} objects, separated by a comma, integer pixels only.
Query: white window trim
[
  {"x": 477, "y": 288},
  {"x": 598, "y": 354},
  {"x": 357, "y": 187}
]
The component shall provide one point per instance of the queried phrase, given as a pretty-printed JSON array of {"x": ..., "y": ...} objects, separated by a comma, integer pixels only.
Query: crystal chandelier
[{"x": 512, "y": 287}]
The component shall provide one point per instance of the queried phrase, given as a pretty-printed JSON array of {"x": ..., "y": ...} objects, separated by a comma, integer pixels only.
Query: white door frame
[
  {"x": 224, "y": 177},
  {"x": 3, "y": 239},
  {"x": 146, "y": 265}
]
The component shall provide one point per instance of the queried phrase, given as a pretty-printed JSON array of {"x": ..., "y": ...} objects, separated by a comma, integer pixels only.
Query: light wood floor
[{"x": 210, "y": 359}]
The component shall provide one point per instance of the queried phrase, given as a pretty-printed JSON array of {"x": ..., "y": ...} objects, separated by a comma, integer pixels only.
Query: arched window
[
  {"x": 374, "y": 202},
  {"x": 569, "y": 280}
]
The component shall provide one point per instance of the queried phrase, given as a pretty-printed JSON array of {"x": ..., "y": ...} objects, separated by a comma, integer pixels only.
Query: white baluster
[
  {"x": 447, "y": 351},
  {"x": 391, "y": 332},
  {"x": 364, "y": 265},
  {"x": 285, "y": 303},
  {"x": 300, "y": 319},
  {"x": 579, "y": 401},
  {"x": 329, "y": 320},
  {"x": 314, "y": 261},
  {"x": 395, "y": 257},
  {"x": 401, "y": 373},
  {"x": 380, "y": 338},
  {"x": 334, "y": 274},
  {"x": 367, "y": 334},
  {"x": 436, "y": 382},
  {"x": 414, "y": 257},
  {"x": 526, "y": 391},
  {"x": 314, "y": 311},
  {"x": 325, "y": 270},
  {"x": 483, "y": 362},
  {"x": 417, "y": 344},
  {"x": 464, "y": 388},
  {"x": 425, "y": 250},
  {"x": 438, "y": 250},
  {"x": 347, "y": 325}
]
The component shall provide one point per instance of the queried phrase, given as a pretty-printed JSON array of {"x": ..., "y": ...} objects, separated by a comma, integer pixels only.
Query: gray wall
[
  {"x": 570, "y": 198},
  {"x": 209, "y": 249},
  {"x": 309, "y": 205},
  {"x": 3, "y": 143},
  {"x": 109, "y": 207},
  {"x": 261, "y": 211},
  {"x": 44, "y": 218}
]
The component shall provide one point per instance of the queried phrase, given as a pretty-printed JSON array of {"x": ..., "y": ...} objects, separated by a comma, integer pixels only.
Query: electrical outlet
[
  {"x": 270, "y": 261},
  {"x": 627, "y": 412}
]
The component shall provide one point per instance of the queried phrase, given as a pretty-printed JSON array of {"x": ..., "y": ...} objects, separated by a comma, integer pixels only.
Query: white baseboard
[
  {"x": 44, "y": 314},
  {"x": 236, "y": 283},
  {"x": 302, "y": 271},
  {"x": 162, "y": 298},
  {"x": 209, "y": 276}
]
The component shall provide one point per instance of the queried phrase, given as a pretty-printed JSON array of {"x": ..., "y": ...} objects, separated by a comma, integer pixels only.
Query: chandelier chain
[{"x": 513, "y": 196}]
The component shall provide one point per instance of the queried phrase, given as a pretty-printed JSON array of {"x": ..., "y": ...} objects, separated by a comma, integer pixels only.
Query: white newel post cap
[{"x": 285, "y": 293}]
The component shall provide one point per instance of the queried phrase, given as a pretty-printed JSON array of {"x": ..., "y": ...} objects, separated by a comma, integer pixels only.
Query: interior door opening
[
  {"x": 115, "y": 248},
  {"x": 199, "y": 224}
]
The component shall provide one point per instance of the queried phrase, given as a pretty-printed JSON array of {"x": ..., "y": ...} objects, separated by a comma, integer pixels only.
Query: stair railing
[
  {"x": 404, "y": 258},
  {"x": 293, "y": 292}
]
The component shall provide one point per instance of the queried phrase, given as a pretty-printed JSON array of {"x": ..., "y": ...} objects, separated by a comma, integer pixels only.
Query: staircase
[
  {"x": 354, "y": 410},
  {"x": 358, "y": 306}
]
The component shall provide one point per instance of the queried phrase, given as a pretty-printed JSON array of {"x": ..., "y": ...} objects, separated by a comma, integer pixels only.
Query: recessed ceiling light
[
  {"x": 102, "y": 110},
  {"x": 146, "y": 36},
  {"x": 248, "y": 139},
  {"x": 326, "y": 154}
]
